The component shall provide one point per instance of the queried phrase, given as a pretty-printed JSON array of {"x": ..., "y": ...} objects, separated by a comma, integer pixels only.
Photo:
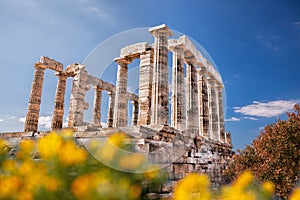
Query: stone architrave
[
  {"x": 121, "y": 101},
  {"x": 135, "y": 112},
  {"x": 77, "y": 103},
  {"x": 59, "y": 102},
  {"x": 111, "y": 105},
  {"x": 178, "y": 115},
  {"x": 32, "y": 116},
  {"x": 160, "y": 86},
  {"x": 145, "y": 87},
  {"x": 192, "y": 97},
  {"x": 97, "y": 106}
]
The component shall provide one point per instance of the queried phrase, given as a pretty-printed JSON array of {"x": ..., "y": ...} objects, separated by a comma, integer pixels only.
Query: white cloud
[
  {"x": 22, "y": 119},
  {"x": 104, "y": 124},
  {"x": 45, "y": 121},
  {"x": 250, "y": 118},
  {"x": 1, "y": 120},
  {"x": 296, "y": 24},
  {"x": 267, "y": 109},
  {"x": 232, "y": 119},
  {"x": 11, "y": 117}
]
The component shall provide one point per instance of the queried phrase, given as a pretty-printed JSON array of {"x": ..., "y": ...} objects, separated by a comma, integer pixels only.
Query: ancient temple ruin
[{"x": 196, "y": 103}]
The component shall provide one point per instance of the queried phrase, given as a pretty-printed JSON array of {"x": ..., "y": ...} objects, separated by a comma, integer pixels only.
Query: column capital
[
  {"x": 177, "y": 48},
  {"x": 202, "y": 71},
  {"x": 161, "y": 30},
  {"x": 123, "y": 60},
  {"x": 98, "y": 88},
  {"x": 191, "y": 61},
  {"x": 110, "y": 93},
  {"x": 39, "y": 65}
]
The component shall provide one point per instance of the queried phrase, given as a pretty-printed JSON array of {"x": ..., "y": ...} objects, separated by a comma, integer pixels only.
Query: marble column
[
  {"x": 111, "y": 105},
  {"x": 145, "y": 87},
  {"x": 160, "y": 85},
  {"x": 213, "y": 123},
  {"x": 97, "y": 106},
  {"x": 77, "y": 99},
  {"x": 121, "y": 101},
  {"x": 59, "y": 102},
  {"x": 217, "y": 115},
  {"x": 205, "y": 108},
  {"x": 201, "y": 92},
  {"x": 221, "y": 107},
  {"x": 178, "y": 115},
  {"x": 135, "y": 112},
  {"x": 32, "y": 116},
  {"x": 192, "y": 97}
]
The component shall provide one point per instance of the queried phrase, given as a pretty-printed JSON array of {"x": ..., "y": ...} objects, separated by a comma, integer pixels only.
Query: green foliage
[{"x": 274, "y": 155}]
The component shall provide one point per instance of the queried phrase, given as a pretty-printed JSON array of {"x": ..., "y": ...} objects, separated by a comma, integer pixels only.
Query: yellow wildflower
[
  {"x": 24, "y": 195},
  {"x": 70, "y": 154},
  {"x": 193, "y": 186},
  {"x": 244, "y": 180},
  {"x": 3, "y": 146},
  {"x": 296, "y": 194},
  {"x": 117, "y": 138},
  {"x": 9, "y": 165},
  {"x": 67, "y": 133},
  {"x": 9, "y": 185},
  {"x": 50, "y": 145},
  {"x": 268, "y": 187},
  {"x": 51, "y": 183},
  {"x": 135, "y": 191},
  {"x": 132, "y": 161},
  {"x": 82, "y": 186}
]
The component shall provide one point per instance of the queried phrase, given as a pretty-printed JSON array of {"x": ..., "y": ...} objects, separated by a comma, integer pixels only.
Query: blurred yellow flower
[
  {"x": 244, "y": 180},
  {"x": 296, "y": 194},
  {"x": 70, "y": 154},
  {"x": 50, "y": 145},
  {"x": 9, "y": 165},
  {"x": 3, "y": 146},
  {"x": 268, "y": 187},
  {"x": 9, "y": 185},
  {"x": 117, "y": 138},
  {"x": 193, "y": 186},
  {"x": 131, "y": 161}
]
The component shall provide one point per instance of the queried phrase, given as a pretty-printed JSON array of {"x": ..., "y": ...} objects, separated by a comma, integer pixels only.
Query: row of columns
[{"x": 197, "y": 104}]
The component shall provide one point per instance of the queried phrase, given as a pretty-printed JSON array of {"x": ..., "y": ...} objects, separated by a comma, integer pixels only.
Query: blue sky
[{"x": 255, "y": 44}]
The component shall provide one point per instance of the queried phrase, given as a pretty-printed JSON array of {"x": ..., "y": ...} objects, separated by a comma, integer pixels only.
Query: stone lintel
[
  {"x": 133, "y": 51},
  {"x": 132, "y": 96},
  {"x": 94, "y": 81},
  {"x": 108, "y": 86},
  {"x": 162, "y": 29},
  {"x": 52, "y": 64},
  {"x": 191, "y": 50}
]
